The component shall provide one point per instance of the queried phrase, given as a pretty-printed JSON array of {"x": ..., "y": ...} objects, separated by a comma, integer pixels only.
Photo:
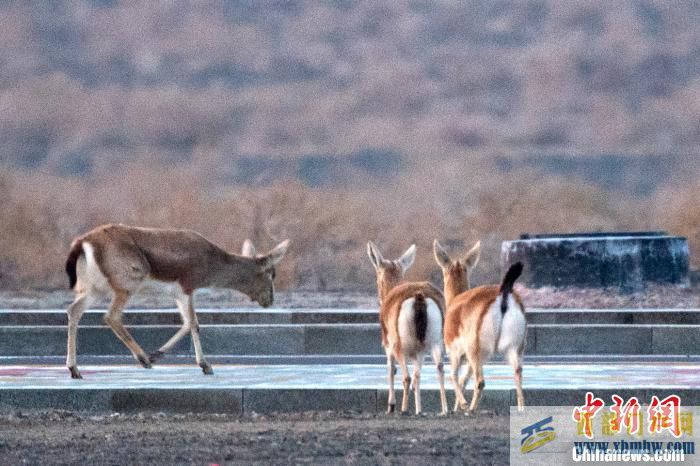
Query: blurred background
[{"x": 336, "y": 122}]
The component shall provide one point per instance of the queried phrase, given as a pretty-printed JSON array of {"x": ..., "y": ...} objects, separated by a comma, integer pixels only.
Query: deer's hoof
[
  {"x": 391, "y": 409},
  {"x": 145, "y": 362},
  {"x": 74, "y": 373},
  {"x": 206, "y": 368},
  {"x": 156, "y": 355},
  {"x": 405, "y": 413}
]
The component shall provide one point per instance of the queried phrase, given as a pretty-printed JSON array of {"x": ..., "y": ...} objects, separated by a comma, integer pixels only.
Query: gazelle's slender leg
[
  {"x": 516, "y": 362},
  {"x": 194, "y": 329},
  {"x": 417, "y": 365},
  {"x": 455, "y": 362},
  {"x": 391, "y": 372},
  {"x": 437, "y": 358},
  {"x": 113, "y": 318},
  {"x": 406, "y": 384},
  {"x": 75, "y": 312},
  {"x": 464, "y": 379},
  {"x": 478, "y": 370},
  {"x": 184, "y": 330}
]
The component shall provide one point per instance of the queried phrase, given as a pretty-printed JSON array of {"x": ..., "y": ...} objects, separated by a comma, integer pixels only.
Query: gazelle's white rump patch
[
  {"x": 90, "y": 277},
  {"x": 410, "y": 345}
]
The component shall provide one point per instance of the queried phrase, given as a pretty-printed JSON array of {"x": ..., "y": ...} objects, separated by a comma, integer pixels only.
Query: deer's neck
[
  {"x": 383, "y": 289},
  {"x": 453, "y": 289}
]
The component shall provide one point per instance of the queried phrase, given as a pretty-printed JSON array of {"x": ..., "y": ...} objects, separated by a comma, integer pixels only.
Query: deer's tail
[{"x": 76, "y": 250}]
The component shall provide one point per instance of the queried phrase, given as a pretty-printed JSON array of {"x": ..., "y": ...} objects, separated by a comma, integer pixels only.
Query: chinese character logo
[
  {"x": 537, "y": 435},
  {"x": 626, "y": 415},
  {"x": 665, "y": 415},
  {"x": 583, "y": 415}
]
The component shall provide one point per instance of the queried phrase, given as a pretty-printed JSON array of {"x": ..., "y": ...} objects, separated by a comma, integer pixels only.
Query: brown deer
[
  {"x": 410, "y": 317},
  {"x": 479, "y": 322},
  {"x": 117, "y": 259}
]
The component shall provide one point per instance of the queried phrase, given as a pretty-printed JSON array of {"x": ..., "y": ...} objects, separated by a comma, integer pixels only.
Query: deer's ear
[
  {"x": 406, "y": 260},
  {"x": 276, "y": 255},
  {"x": 471, "y": 258},
  {"x": 248, "y": 249},
  {"x": 441, "y": 256},
  {"x": 374, "y": 255}
]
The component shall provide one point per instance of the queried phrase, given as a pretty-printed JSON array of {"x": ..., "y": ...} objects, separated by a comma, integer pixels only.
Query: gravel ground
[{"x": 61, "y": 437}]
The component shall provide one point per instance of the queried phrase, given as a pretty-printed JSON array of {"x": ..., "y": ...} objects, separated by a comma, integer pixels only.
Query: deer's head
[
  {"x": 389, "y": 273},
  {"x": 262, "y": 286},
  {"x": 455, "y": 273}
]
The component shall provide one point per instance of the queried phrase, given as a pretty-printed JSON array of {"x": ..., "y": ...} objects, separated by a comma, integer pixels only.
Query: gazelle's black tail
[
  {"x": 75, "y": 251},
  {"x": 508, "y": 282},
  {"x": 420, "y": 316}
]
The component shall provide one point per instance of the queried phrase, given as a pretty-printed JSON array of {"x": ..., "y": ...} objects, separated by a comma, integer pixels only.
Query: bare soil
[{"x": 61, "y": 437}]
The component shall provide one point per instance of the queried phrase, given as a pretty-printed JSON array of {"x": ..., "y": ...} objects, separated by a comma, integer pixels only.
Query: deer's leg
[
  {"x": 75, "y": 311},
  {"x": 516, "y": 362},
  {"x": 417, "y": 365},
  {"x": 194, "y": 329},
  {"x": 113, "y": 318},
  {"x": 455, "y": 363},
  {"x": 464, "y": 378},
  {"x": 479, "y": 384},
  {"x": 391, "y": 372},
  {"x": 184, "y": 330},
  {"x": 406, "y": 384},
  {"x": 437, "y": 358}
]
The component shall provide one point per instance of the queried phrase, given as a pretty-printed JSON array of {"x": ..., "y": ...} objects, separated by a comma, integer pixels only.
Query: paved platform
[{"x": 362, "y": 387}]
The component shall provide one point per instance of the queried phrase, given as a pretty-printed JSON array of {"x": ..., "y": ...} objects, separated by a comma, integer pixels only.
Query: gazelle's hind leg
[
  {"x": 406, "y": 383},
  {"x": 194, "y": 329},
  {"x": 417, "y": 366},
  {"x": 479, "y": 384},
  {"x": 113, "y": 318},
  {"x": 515, "y": 359},
  {"x": 391, "y": 372},
  {"x": 82, "y": 300},
  {"x": 464, "y": 379},
  {"x": 437, "y": 358},
  {"x": 184, "y": 330},
  {"x": 455, "y": 363}
]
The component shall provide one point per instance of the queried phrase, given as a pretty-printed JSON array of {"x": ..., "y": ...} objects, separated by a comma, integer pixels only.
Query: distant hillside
[{"x": 87, "y": 86}]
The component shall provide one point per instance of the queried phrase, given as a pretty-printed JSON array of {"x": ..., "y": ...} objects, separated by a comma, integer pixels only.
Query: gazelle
[
  {"x": 410, "y": 317},
  {"x": 117, "y": 259},
  {"x": 480, "y": 322}
]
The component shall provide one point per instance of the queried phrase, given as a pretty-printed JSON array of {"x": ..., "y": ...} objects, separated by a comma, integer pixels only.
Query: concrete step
[
  {"x": 346, "y": 339},
  {"x": 240, "y": 316},
  {"x": 245, "y": 389},
  {"x": 243, "y": 316}
]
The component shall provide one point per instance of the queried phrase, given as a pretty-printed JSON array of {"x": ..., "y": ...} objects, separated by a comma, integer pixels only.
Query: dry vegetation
[
  {"x": 334, "y": 122},
  {"x": 328, "y": 227}
]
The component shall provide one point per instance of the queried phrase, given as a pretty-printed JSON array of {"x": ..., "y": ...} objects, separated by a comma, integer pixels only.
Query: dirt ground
[{"x": 61, "y": 437}]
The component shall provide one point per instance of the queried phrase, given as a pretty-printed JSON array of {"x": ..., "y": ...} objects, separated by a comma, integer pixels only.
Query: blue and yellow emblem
[{"x": 537, "y": 435}]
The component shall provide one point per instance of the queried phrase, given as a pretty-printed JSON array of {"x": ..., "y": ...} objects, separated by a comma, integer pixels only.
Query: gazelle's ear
[
  {"x": 441, "y": 256},
  {"x": 276, "y": 255},
  {"x": 471, "y": 258},
  {"x": 248, "y": 249},
  {"x": 406, "y": 260},
  {"x": 374, "y": 255}
]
